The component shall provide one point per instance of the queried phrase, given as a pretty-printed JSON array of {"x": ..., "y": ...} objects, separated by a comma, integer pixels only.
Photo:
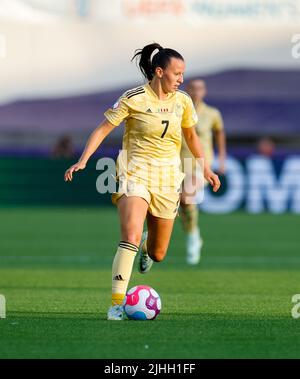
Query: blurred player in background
[
  {"x": 266, "y": 147},
  {"x": 209, "y": 128},
  {"x": 63, "y": 148},
  {"x": 156, "y": 115}
]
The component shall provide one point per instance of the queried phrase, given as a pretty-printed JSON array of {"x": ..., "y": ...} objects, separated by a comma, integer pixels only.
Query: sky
[{"x": 68, "y": 47}]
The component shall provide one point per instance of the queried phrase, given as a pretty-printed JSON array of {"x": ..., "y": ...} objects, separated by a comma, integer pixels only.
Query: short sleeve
[
  {"x": 189, "y": 116},
  {"x": 118, "y": 112},
  {"x": 218, "y": 121}
]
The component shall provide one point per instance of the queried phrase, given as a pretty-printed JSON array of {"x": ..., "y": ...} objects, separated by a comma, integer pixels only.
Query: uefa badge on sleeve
[{"x": 116, "y": 104}]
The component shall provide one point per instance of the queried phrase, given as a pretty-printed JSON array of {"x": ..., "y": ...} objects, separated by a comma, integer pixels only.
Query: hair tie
[{"x": 154, "y": 53}]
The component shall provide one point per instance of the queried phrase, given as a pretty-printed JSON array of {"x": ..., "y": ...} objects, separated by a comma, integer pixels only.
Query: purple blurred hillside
[{"x": 253, "y": 103}]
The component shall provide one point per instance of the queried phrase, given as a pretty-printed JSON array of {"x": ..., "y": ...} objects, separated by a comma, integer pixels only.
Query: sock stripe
[{"x": 129, "y": 246}]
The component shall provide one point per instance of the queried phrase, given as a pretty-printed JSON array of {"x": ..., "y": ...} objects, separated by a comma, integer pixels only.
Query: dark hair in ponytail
[{"x": 160, "y": 59}]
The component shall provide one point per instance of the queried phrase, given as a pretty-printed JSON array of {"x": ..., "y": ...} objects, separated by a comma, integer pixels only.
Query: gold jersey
[
  {"x": 152, "y": 128},
  {"x": 209, "y": 120}
]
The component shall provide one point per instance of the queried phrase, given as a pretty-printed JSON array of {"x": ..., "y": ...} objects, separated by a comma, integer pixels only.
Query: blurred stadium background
[
  {"x": 62, "y": 64},
  {"x": 66, "y": 62}
]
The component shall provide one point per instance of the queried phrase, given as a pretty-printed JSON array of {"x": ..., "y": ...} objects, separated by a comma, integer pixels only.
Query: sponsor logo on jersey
[{"x": 163, "y": 110}]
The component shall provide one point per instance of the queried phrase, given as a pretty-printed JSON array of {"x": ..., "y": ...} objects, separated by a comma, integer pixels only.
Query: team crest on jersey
[{"x": 178, "y": 110}]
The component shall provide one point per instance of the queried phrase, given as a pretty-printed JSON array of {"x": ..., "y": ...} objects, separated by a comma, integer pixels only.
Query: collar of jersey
[{"x": 153, "y": 94}]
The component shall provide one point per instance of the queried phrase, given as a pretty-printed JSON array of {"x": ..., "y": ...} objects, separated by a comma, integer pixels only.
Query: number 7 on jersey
[{"x": 166, "y": 128}]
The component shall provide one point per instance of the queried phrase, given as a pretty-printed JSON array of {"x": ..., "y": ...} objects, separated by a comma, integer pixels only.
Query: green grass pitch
[{"x": 55, "y": 272}]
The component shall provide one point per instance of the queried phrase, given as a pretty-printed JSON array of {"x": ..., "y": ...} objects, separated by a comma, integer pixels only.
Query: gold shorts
[{"x": 161, "y": 204}]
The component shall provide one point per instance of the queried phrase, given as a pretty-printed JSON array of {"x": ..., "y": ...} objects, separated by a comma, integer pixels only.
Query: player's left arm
[
  {"x": 220, "y": 141},
  {"x": 195, "y": 147}
]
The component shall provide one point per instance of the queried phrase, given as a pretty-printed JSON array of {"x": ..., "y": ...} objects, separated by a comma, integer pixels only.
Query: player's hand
[
  {"x": 212, "y": 179},
  {"x": 76, "y": 167}
]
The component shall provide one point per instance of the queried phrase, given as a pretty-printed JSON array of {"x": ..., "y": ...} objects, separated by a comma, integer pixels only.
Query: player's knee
[
  {"x": 158, "y": 254},
  {"x": 132, "y": 237}
]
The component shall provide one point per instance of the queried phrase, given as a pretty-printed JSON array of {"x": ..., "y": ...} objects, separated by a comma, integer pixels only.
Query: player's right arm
[
  {"x": 94, "y": 141},
  {"x": 113, "y": 118}
]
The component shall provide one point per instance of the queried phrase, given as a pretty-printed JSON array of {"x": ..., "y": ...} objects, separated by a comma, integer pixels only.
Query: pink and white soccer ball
[{"x": 142, "y": 303}]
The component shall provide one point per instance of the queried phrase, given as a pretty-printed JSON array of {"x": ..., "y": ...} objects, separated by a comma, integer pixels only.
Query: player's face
[
  {"x": 197, "y": 90},
  {"x": 172, "y": 75}
]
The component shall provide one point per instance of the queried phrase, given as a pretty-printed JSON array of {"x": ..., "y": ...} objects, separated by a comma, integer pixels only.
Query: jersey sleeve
[
  {"x": 118, "y": 112},
  {"x": 189, "y": 116},
  {"x": 218, "y": 121}
]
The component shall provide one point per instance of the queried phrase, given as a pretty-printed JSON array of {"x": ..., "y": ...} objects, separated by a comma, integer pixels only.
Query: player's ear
[{"x": 159, "y": 72}]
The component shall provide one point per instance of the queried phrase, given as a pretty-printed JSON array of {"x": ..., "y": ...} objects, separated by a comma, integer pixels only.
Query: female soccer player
[{"x": 148, "y": 172}]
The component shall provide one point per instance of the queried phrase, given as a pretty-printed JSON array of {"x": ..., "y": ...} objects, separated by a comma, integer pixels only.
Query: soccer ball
[{"x": 142, "y": 303}]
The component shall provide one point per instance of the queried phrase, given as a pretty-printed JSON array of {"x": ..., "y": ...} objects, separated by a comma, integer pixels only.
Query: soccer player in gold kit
[
  {"x": 209, "y": 127},
  {"x": 148, "y": 169}
]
